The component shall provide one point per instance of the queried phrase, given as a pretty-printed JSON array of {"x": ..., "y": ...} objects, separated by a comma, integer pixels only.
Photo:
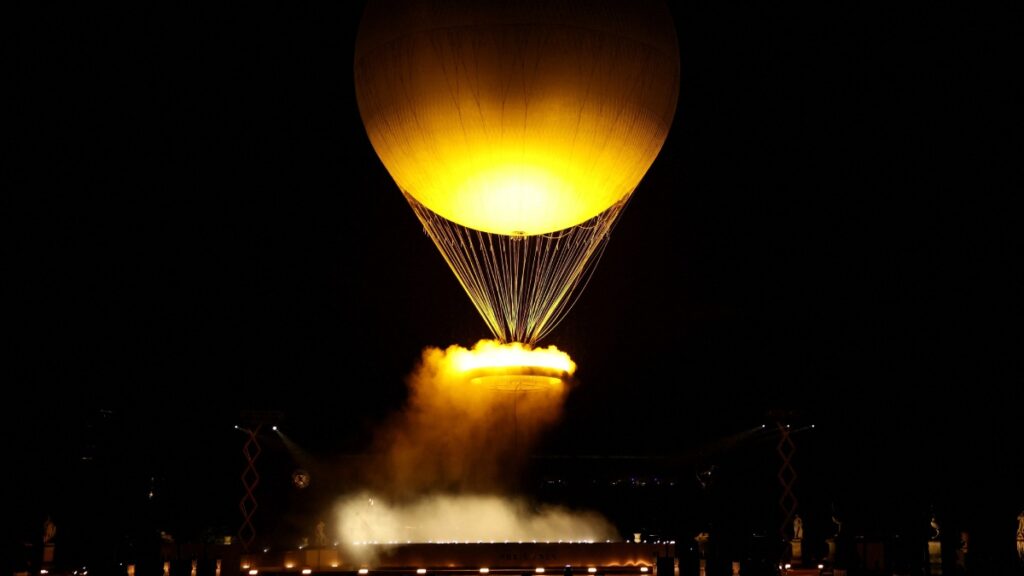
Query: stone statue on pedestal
[
  {"x": 1020, "y": 536},
  {"x": 321, "y": 534},
  {"x": 49, "y": 531},
  {"x": 934, "y": 548},
  {"x": 963, "y": 551},
  {"x": 702, "y": 549},
  {"x": 702, "y": 542},
  {"x": 796, "y": 551}
]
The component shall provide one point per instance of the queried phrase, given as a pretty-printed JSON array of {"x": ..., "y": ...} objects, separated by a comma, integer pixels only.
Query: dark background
[{"x": 196, "y": 224}]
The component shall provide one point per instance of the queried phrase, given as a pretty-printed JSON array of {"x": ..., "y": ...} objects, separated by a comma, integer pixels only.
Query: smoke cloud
[
  {"x": 465, "y": 518},
  {"x": 455, "y": 436},
  {"x": 449, "y": 457}
]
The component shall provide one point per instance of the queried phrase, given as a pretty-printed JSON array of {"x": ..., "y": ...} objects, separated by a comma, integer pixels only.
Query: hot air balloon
[{"x": 517, "y": 130}]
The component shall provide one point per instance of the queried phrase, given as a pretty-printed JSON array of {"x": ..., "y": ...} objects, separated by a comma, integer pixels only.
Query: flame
[{"x": 488, "y": 354}]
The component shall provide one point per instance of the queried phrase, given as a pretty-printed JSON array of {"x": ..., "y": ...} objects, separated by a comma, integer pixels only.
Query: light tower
[{"x": 251, "y": 424}]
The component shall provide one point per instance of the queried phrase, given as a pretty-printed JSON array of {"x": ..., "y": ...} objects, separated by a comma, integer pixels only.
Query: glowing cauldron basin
[{"x": 513, "y": 366}]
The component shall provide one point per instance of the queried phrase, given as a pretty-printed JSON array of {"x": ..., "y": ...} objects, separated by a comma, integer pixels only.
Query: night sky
[{"x": 196, "y": 224}]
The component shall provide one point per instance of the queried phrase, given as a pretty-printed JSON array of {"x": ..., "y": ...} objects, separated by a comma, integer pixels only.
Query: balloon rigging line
[{"x": 522, "y": 286}]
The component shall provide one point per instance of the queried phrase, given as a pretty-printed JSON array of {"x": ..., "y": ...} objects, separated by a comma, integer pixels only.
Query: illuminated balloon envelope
[{"x": 517, "y": 131}]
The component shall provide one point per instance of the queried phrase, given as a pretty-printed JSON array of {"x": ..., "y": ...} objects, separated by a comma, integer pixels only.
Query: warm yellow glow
[
  {"x": 307, "y": 571},
  {"x": 289, "y": 565},
  {"x": 539, "y": 570},
  {"x": 421, "y": 570},
  {"x": 592, "y": 570},
  {"x": 253, "y": 572},
  {"x": 509, "y": 191},
  {"x": 487, "y": 354},
  {"x": 485, "y": 570},
  {"x": 361, "y": 570},
  {"x": 526, "y": 144},
  {"x": 643, "y": 569},
  {"x": 450, "y": 519}
]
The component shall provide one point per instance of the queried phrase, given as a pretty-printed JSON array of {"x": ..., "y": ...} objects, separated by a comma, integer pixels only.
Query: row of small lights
[
  {"x": 788, "y": 566},
  {"x": 376, "y": 543},
  {"x": 393, "y": 542},
  {"x": 364, "y": 571},
  {"x": 396, "y": 543}
]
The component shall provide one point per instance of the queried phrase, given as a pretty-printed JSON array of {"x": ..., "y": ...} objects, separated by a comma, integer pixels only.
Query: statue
[
  {"x": 935, "y": 526},
  {"x": 832, "y": 540},
  {"x": 49, "y": 531},
  {"x": 963, "y": 553},
  {"x": 798, "y": 528},
  {"x": 1020, "y": 536},
  {"x": 321, "y": 535},
  {"x": 838, "y": 523},
  {"x": 702, "y": 541}
]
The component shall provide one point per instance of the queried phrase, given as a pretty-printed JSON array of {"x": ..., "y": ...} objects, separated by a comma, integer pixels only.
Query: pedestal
[
  {"x": 703, "y": 567},
  {"x": 48, "y": 555},
  {"x": 796, "y": 549},
  {"x": 831, "y": 550},
  {"x": 735, "y": 569},
  {"x": 934, "y": 557}
]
